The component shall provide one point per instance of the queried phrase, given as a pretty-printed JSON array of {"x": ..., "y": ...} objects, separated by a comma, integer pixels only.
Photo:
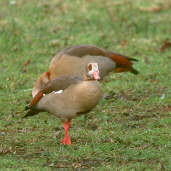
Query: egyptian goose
[
  {"x": 72, "y": 61},
  {"x": 67, "y": 96}
]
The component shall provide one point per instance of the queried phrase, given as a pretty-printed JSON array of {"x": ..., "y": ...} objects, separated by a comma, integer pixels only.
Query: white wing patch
[{"x": 58, "y": 92}]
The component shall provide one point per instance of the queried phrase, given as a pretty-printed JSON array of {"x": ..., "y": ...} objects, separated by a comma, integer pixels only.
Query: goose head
[{"x": 93, "y": 71}]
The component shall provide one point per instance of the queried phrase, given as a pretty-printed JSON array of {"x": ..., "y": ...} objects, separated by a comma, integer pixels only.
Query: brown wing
[{"x": 60, "y": 83}]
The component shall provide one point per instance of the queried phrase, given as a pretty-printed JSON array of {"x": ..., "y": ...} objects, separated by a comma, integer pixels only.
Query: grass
[{"x": 129, "y": 130}]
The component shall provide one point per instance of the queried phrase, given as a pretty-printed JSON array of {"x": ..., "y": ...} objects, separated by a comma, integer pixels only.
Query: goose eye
[{"x": 90, "y": 67}]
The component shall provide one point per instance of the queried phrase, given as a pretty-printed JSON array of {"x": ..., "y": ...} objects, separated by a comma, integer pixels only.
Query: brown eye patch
[{"x": 90, "y": 67}]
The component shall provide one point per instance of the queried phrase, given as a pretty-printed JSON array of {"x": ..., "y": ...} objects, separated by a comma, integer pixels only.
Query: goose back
[
  {"x": 77, "y": 98},
  {"x": 72, "y": 65}
]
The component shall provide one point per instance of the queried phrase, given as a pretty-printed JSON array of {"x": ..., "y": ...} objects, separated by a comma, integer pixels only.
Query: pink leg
[{"x": 66, "y": 139}]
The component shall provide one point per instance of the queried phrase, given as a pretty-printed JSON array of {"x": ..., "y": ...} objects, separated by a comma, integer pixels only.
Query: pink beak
[{"x": 96, "y": 75}]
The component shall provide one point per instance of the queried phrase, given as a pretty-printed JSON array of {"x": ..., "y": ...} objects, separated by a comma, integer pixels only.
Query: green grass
[{"x": 131, "y": 130}]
